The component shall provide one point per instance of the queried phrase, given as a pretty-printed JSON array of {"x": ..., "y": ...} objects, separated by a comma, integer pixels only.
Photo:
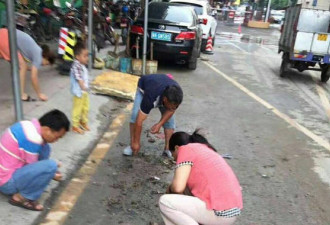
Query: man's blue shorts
[{"x": 170, "y": 124}]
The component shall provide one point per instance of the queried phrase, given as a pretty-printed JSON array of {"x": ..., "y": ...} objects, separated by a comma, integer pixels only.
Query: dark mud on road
[{"x": 125, "y": 190}]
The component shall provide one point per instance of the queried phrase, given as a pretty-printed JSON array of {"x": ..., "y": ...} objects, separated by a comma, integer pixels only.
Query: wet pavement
[{"x": 276, "y": 131}]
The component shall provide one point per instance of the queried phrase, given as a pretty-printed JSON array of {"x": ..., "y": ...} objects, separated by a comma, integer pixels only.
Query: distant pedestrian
[
  {"x": 215, "y": 193},
  {"x": 79, "y": 89},
  {"x": 29, "y": 51},
  {"x": 155, "y": 90},
  {"x": 25, "y": 167}
]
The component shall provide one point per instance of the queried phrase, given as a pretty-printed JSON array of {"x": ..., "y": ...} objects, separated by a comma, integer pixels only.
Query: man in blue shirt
[{"x": 154, "y": 91}]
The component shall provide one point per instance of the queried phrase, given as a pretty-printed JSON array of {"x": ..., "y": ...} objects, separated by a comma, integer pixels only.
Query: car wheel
[
  {"x": 199, "y": 49},
  {"x": 203, "y": 45},
  {"x": 192, "y": 63}
]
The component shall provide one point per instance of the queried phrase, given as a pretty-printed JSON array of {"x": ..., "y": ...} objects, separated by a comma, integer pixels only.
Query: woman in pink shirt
[{"x": 215, "y": 193}]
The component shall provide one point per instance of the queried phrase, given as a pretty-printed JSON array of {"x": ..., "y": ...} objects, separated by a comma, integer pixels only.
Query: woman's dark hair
[
  {"x": 48, "y": 54},
  {"x": 55, "y": 120},
  {"x": 183, "y": 138},
  {"x": 173, "y": 94}
]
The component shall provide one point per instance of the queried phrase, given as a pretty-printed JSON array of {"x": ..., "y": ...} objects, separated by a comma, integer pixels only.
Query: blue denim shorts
[
  {"x": 31, "y": 180},
  {"x": 170, "y": 124}
]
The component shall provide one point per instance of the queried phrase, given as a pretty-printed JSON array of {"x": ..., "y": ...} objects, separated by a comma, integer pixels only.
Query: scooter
[
  {"x": 102, "y": 27},
  {"x": 29, "y": 21},
  {"x": 108, "y": 30}
]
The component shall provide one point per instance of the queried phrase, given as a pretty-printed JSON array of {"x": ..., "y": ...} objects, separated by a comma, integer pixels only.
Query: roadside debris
[
  {"x": 151, "y": 140},
  {"x": 156, "y": 178},
  {"x": 157, "y": 192},
  {"x": 227, "y": 156},
  {"x": 204, "y": 58},
  {"x": 121, "y": 144}
]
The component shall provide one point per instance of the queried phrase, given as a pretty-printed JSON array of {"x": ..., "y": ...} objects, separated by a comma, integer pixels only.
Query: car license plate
[
  {"x": 322, "y": 37},
  {"x": 161, "y": 36},
  {"x": 123, "y": 25}
]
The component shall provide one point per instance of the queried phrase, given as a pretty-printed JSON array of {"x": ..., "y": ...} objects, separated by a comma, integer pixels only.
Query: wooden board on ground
[
  {"x": 258, "y": 24},
  {"x": 114, "y": 83}
]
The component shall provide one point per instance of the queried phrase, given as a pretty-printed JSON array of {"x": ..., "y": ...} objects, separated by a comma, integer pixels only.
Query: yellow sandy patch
[{"x": 116, "y": 84}]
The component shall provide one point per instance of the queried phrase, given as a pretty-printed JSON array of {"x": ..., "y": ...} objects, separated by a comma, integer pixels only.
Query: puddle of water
[
  {"x": 322, "y": 168},
  {"x": 245, "y": 38}
]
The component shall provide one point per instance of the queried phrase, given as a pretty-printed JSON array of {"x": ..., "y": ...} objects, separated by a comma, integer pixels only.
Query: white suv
[{"x": 204, "y": 11}]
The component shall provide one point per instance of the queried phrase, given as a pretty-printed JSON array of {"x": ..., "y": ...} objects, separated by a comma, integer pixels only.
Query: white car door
[{"x": 213, "y": 22}]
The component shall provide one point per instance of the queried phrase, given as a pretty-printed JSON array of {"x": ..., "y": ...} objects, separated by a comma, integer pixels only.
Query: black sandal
[
  {"x": 29, "y": 99},
  {"x": 26, "y": 204}
]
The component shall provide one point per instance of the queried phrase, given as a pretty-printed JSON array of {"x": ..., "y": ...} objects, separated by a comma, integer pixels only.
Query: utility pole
[
  {"x": 145, "y": 34},
  {"x": 90, "y": 35},
  {"x": 14, "y": 59},
  {"x": 268, "y": 10}
]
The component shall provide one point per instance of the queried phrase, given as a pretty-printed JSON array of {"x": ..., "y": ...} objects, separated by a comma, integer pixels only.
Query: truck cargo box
[{"x": 305, "y": 34}]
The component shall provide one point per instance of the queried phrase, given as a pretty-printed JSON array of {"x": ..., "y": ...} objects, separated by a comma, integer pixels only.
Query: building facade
[{"x": 315, "y": 4}]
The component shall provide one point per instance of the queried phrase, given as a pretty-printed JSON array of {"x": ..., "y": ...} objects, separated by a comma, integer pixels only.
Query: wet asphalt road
[{"x": 284, "y": 173}]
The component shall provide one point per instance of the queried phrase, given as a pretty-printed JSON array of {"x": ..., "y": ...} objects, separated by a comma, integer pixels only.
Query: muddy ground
[
  {"x": 126, "y": 190},
  {"x": 278, "y": 166}
]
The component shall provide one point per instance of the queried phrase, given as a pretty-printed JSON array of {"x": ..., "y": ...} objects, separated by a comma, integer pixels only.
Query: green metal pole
[{"x": 14, "y": 59}]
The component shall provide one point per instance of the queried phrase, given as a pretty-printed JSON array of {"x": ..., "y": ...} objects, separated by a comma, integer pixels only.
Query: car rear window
[
  {"x": 198, "y": 8},
  {"x": 170, "y": 13}
]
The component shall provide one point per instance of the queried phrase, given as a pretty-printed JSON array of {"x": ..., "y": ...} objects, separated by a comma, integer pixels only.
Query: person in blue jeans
[
  {"x": 25, "y": 167},
  {"x": 154, "y": 91}
]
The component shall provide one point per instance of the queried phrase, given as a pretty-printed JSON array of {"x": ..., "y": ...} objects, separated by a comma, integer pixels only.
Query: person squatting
[{"x": 204, "y": 189}]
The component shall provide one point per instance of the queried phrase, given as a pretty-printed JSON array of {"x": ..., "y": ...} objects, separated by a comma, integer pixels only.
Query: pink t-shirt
[
  {"x": 20, "y": 145},
  {"x": 211, "y": 179}
]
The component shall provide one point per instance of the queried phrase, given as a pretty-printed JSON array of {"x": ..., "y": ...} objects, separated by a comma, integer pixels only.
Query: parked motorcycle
[
  {"x": 134, "y": 9},
  {"x": 29, "y": 21},
  {"x": 72, "y": 20},
  {"x": 103, "y": 30},
  {"x": 108, "y": 30},
  {"x": 51, "y": 19}
]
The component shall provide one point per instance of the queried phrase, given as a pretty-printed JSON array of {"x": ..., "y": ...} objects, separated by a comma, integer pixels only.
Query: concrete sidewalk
[{"x": 69, "y": 150}]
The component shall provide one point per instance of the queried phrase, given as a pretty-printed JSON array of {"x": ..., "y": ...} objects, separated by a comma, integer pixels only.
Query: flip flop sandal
[
  {"x": 29, "y": 99},
  {"x": 26, "y": 204}
]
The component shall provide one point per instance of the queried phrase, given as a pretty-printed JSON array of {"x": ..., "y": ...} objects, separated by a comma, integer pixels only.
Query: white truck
[{"x": 305, "y": 40}]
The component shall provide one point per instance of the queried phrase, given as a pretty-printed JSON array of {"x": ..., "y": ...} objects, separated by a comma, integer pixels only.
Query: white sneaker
[
  {"x": 167, "y": 153},
  {"x": 128, "y": 151}
]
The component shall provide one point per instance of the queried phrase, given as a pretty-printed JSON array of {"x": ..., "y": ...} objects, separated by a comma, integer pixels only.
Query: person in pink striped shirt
[
  {"x": 25, "y": 167},
  {"x": 215, "y": 195}
]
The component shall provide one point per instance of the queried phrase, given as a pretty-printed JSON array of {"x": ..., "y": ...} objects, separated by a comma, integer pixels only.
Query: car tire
[
  {"x": 203, "y": 45},
  {"x": 192, "y": 63},
  {"x": 199, "y": 50}
]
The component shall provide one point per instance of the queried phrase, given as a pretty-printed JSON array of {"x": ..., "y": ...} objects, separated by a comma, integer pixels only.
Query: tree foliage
[{"x": 279, "y": 4}]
